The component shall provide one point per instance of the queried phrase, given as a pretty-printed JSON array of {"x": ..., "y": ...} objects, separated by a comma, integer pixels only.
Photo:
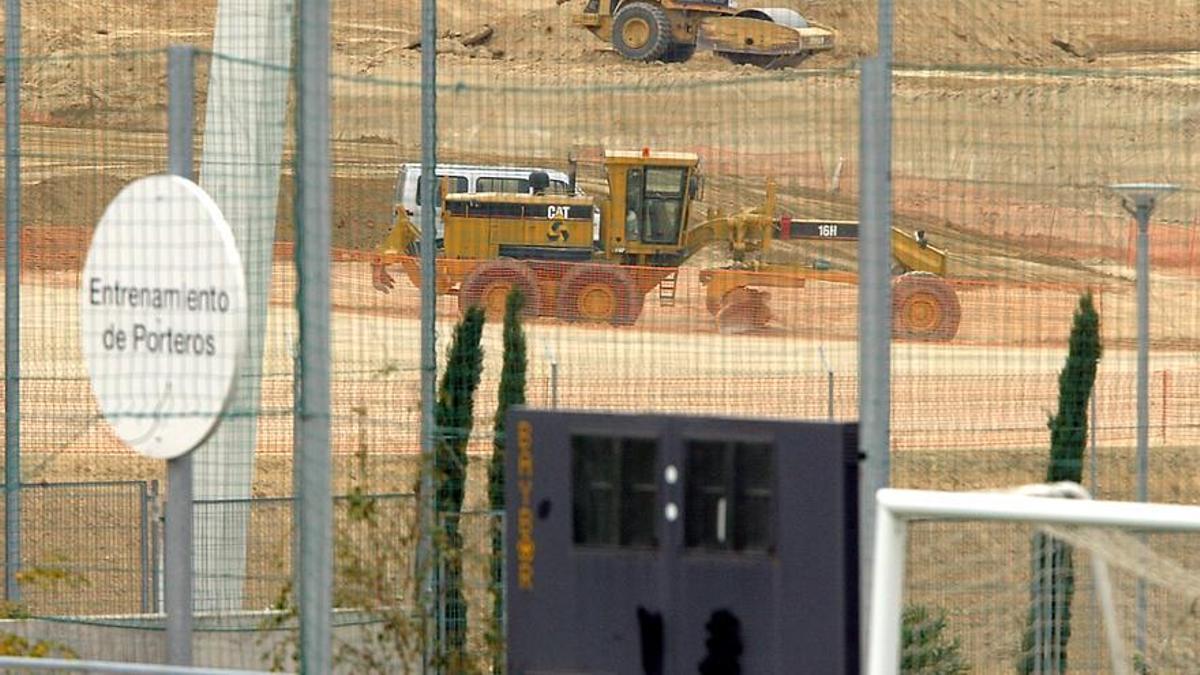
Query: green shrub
[{"x": 925, "y": 648}]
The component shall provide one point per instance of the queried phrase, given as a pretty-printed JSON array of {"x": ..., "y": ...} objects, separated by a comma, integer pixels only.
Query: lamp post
[{"x": 1139, "y": 200}]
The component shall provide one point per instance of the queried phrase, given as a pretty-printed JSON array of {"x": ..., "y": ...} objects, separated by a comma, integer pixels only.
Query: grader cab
[{"x": 545, "y": 246}]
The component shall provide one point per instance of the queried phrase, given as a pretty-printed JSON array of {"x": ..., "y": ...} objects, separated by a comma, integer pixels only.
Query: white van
[{"x": 471, "y": 179}]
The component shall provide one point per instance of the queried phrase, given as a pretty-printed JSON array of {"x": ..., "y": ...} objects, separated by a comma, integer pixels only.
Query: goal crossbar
[{"x": 896, "y": 507}]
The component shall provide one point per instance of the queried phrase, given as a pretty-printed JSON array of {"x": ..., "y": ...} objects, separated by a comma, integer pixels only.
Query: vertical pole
[
  {"x": 178, "y": 554},
  {"x": 552, "y": 357},
  {"x": 181, "y": 74},
  {"x": 313, "y": 513},
  {"x": 427, "y": 562},
  {"x": 884, "y": 32},
  {"x": 177, "y": 561},
  {"x": 1095, "y": 424},
  {"x": 144, "y": 559},
  {"x": 1166, "y": 392},
  {"x": 154, "y": 520},
  {"x": 12, "y": 298},
  {"x": 828, "y": 384},
  {"x": 829, "y": 396},
  {"x": 1142, "y": 213},
  {"x": 554, "y": 383},
  {"x": 874, "y": 296}
]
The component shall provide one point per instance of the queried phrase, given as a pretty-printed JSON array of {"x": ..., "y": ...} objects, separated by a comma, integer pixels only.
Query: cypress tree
[
  {"x": 512, "y": 392},
  {"x": 453, "y": 417},
  {"x": 1048, "y": 625}
]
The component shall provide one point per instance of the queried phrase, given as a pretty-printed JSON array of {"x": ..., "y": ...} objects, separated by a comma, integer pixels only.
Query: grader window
[
  {"x": 664, "y": 204},
  {"x": 614, "y": 491},
  {"x": 729, "y": 495}
]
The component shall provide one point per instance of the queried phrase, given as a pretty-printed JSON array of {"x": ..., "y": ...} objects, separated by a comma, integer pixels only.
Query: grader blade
[
  {"x": 768, "y": 38},
  {"x": 744, "y": 310},
  {"x": 765, "y": 61}
]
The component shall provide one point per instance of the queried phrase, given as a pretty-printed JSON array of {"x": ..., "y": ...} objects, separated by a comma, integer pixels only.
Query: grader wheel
[
  {"x": 489, "y": 285},
  {"x": 599, "y": 294},
  {"x": 743, "y": 310},
  {"x": 924, "y": 307}
]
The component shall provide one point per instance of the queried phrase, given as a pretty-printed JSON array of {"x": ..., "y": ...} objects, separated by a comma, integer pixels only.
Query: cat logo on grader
[{"x": 558, "y": 231}]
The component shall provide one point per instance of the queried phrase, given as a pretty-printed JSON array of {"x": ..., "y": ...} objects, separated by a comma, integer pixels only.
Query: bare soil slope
[
  {"x": 1002, "y": 32},
  {"x": 94, "y": 83}
]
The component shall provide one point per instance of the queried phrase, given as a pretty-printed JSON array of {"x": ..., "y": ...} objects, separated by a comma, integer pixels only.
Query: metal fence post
[
  {"x": 427, "y": 563},
  {"x": 144, "y": 546},
  {"x": 311, "y": 473},
  {"x": 154, "y": 521},
  {"x": 12, "y": 298},
  {"x": 874, "y": 295},
  {"x": 829, "y": 385}
]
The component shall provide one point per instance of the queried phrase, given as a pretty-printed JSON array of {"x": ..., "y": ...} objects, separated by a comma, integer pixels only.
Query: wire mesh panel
[
  {"x": 989, "y": 609},
  {"x": 1011, "y": 119},
  {"x": 114, "y": 574}
]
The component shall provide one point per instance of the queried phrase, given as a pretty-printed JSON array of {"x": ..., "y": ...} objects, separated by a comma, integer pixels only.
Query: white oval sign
[{"x": 163, "y": 316}]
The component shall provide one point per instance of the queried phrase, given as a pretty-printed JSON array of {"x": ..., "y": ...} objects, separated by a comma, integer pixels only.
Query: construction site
[{"x": 682, "y": 217}]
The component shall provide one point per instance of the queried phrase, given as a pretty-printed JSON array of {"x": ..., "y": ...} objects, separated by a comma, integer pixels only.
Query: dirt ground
[
  {"x": 1001, "y": 167},
  {"x": 1003, "y": 141}
]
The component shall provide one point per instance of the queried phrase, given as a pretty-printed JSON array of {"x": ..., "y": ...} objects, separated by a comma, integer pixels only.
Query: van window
[
  {"x": 457, "y": 184},
  {"x": 518, "y": 185},
  {"x": 492, "y": 184}
]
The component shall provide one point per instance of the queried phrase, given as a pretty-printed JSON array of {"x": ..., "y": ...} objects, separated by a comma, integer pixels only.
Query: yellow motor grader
[
  {"x": 671, "y": 30},
  {"x": 546, "y": 246}
]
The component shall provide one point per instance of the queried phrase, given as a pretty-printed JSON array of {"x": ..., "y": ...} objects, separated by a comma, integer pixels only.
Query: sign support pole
[
  {"x": 178, "y": 535},
  {"x": 178, "y": 561}
]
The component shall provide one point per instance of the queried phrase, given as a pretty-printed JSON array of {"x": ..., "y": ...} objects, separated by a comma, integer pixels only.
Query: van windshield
[{"x": 457, "y": 184}]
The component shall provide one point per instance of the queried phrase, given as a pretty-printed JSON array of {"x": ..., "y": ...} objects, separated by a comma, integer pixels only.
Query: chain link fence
[{"x": 1004, "y": 166}]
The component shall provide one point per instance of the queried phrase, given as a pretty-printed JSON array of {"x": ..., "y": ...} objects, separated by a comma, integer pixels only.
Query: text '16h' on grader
[{"x": 544, "y": 245}]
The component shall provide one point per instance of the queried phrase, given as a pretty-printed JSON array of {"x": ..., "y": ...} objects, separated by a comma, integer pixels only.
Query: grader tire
[
  {"x": 599, "y": 294},
  {"x": 743, "y": 310},
  {"x": 925, "y": 308},
  {"x": 641, "y": 32},
  {"x": 489, "y": 284}
]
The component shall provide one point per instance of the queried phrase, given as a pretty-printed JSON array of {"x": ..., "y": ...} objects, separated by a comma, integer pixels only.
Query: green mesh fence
[{"x": 1010, "y": 121}]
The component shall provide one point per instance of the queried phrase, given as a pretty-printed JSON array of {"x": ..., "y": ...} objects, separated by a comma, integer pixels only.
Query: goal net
[{"x": 1040, "y": 579}]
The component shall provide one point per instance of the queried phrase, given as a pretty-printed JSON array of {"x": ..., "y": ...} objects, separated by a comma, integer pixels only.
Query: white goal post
[{"x": 896, "y": 507}]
